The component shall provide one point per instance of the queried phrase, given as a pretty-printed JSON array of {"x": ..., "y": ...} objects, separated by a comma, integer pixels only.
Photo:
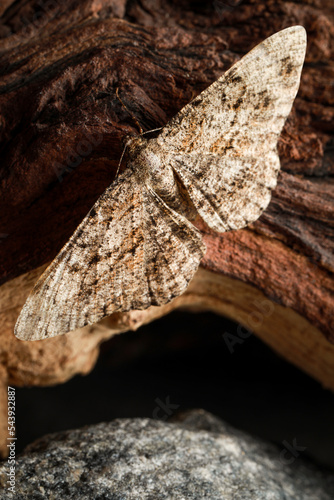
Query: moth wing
[
  {"x": 131, "y": 251},
  {"x": 224, "y": 143},
  {"x": 228, "y": 193}
]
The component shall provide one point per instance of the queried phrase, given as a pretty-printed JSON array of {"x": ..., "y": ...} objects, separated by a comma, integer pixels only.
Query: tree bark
[
  {"x": 61, "y": 139},
  {"x": 62, "y": 126}
]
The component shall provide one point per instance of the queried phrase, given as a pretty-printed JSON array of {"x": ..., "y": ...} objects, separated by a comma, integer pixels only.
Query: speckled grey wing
[
  {"x": 223, "y": 145},
  {"x": 131, "y": 251}
]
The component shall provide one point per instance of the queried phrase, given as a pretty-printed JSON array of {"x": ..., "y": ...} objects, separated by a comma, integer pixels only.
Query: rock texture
[
  {"x": 56, "y": 360},
  {"x": 199, "y": 457},
  {"x": 61, "y": 126}
]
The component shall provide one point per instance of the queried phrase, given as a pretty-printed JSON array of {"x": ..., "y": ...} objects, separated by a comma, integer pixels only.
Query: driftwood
[{"x": 61, "y": 139}]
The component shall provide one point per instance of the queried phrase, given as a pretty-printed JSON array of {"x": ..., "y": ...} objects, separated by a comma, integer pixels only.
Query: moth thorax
[
  {"x": 134, "y": 147},
  {"x": 161, "y": 178}
]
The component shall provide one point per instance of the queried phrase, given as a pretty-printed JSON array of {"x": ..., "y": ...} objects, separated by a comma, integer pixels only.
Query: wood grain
[{"x": 61, "y": 130}]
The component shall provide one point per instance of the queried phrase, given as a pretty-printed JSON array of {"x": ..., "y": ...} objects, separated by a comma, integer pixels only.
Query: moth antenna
[
  {"x": 129, "y": 112},
  {"x": 153, "y": 130},
  {"x": 120, "y": 161},
  {"x": 143, "y": 133}
]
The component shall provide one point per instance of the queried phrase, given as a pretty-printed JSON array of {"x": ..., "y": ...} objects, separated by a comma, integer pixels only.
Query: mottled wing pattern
[
  {"x": 223, "y": 144},
  {"x": 229, "y": 193},
  {"x": 130, "y": 252}
]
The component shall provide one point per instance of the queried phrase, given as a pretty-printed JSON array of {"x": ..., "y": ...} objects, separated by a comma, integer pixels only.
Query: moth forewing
[
  {"x": 225, "y": 140},
  {"x": 113, "y": 262}
]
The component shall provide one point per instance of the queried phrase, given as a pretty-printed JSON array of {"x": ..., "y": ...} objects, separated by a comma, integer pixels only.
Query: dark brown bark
[{"x": 62, "y": 125}]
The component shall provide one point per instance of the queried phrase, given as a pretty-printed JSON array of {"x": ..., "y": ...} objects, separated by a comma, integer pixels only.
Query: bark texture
[
  {"x": 55, "y": 360},
  {"x": 62, "y": 125},
  {"x": 61, "y": 130}
]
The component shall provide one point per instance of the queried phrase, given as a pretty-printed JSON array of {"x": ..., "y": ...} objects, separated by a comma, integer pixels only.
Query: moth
[{"x": 217, "y": 157}]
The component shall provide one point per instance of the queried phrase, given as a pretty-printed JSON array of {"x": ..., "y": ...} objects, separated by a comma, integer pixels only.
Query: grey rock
[{"x": 196, "y": 457}]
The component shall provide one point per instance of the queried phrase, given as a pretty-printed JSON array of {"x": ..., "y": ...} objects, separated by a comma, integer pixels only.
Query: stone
[
  {"x": 197, "y": 456},
  {"x": 56, "y": 360}
]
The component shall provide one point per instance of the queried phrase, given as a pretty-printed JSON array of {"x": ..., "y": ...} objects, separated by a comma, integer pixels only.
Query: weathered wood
[
  {"x": 55, "y": 360},
  {"x": 60, "y": 65},
  {"x": 62, "y": 125}
]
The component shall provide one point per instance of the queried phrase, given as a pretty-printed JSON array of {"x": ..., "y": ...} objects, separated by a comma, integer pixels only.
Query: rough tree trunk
[{"x": 61, "y": 126}]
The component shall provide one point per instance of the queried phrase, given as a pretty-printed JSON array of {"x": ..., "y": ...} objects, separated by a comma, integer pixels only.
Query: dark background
[{"x": 183, "y": 356}]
